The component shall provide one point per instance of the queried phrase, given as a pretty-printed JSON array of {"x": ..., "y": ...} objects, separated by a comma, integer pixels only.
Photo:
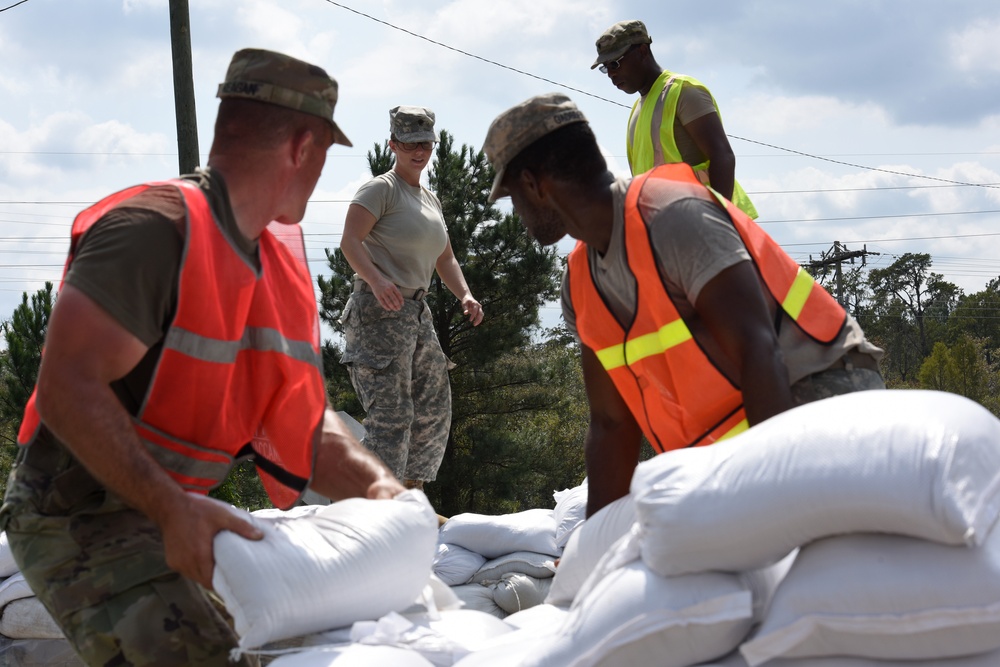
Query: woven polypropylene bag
[
  {"x": 354, "y": 560},
  {"x": 919, "y": 463}
]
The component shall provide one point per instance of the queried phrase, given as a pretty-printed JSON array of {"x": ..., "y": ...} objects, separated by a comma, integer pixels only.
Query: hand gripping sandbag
[
  {"x": 354, "y": 560},
  {"x": 919, "y": 463}
]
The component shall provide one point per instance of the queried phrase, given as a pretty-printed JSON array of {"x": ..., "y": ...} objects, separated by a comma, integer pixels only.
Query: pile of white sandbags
[
  {"x": 505, "y": 564},
  {"x": 28, "y": 635},
  {"x": 851, "y": 532}
]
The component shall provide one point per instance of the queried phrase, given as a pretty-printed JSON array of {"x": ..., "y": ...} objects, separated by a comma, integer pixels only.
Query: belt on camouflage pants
[{"x": 417, "y": 294}]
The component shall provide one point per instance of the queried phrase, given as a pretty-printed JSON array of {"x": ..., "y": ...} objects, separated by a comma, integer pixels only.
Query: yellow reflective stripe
[
  {"x": 669, "y": 335},
  {"x": 798, "y": 294},
  {"x": 736, "y": 430}
]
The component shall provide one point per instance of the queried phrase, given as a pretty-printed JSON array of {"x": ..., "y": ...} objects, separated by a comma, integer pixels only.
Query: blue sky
[{"x": 852, "y": 121}]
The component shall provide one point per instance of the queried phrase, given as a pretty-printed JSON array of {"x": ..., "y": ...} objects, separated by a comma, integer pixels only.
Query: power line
[
  {"x": 473, "y": 55},
  {"x": 861, "y": 166},
  {"x": 13, "y": 6},
  {"x": 604, "y": 99},
  {"x": 874, "y": 217}
]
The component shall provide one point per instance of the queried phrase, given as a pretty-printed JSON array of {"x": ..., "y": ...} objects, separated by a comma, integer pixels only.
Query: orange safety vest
[
  {"x": 240, "y": 373},
  {"x": 676, "y": 394}
]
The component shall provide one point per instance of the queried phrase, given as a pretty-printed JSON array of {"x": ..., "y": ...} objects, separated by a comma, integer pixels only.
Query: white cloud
[
  {"x": 976, "y": 48},
  {"x": 778, "y": 114}
]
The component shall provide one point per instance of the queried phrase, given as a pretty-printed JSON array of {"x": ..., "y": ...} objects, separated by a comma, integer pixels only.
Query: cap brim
[
  {"x": 417, "y": 136},
  {"x": 614, "y": 55},
  {"x": 498, "y": 191},
  {"x": 339, "y": 137}
]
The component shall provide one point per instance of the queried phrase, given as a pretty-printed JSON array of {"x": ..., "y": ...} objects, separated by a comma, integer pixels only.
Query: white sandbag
[
  {"x": 495, "y": 536},
  {"x": 479, "y": 597},
  {"x": 510, "y": 650},
  {"x": 587, "y": 545},
  {"x": 538, "y": 617},
  {"x": 540, "y": 566},
  {"x": 517, "y": 592},
  {"x": 456, "y": 565},
  {"x": 991, "y": 659},
  {"x": 354, "y": 655},
  {"x": 632, "y": 616},
  {"x": 354, "y": 560},
  {"x": 13, "y": 588},
  {"x": 435, "y": 600},
  {"x": 919, "y": 463},
  {"x": 7, "y": 564},
  {"x": 886, "y": 597},
  {"x": 570, "y": 511},
  {"x": 27, "y": 618},
  {"x": 38, "y": 653},
  {"x": 440, "y": 638},
  {"x": 468, "y": 627}
]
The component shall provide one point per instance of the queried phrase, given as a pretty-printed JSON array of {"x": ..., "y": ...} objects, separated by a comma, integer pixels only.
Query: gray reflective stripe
[
  {"x": 656, "y": 122},
  {"x": 225, "y": 351},
  {"x": 185, "y": 465}
]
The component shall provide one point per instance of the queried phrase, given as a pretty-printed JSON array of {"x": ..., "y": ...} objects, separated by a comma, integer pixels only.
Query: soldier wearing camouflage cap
[
  {"x": 675, "y": 119},
  {"x": 275, "y": 78},
  {"x": 185, "y": 336},
  {"x": 395, "y": 238},
  {"x": 680, "y": 300}
]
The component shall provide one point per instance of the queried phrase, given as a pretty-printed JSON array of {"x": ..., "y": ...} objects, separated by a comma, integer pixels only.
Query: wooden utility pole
[
  {"x": 187, "y": 121},
  {"x": 836, "y": 256}
]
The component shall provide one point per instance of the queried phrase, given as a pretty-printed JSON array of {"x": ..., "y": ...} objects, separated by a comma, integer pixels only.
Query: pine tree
[{"x": 24, "y": 334}]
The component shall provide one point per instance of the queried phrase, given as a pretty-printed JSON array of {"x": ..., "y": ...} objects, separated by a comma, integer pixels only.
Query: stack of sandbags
[
  {"x": 324, "y": 567},
  {"x": 28, "y": 635},
  {"x": 851, "y": 532},
  {"x": 892, "y": 498},
  {"x": 504, "y": 564}
]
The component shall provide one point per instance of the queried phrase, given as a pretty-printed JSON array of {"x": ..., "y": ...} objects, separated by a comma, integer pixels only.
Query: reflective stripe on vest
[
  {"x": 676, "y": 394},
  {"x": 251, "y": 341},
  {"x": 656, "y": 126}
]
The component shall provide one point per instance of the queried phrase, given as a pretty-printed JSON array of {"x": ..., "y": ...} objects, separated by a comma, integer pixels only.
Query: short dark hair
[{"x": 569, "y": 153}]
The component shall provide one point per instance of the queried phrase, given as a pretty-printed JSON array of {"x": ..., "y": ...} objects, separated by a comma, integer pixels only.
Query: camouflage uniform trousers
[
  {"x": 400, "y": 374},
  {"x": 835, "y": 381},
  {"x": 100, "y": 570}
]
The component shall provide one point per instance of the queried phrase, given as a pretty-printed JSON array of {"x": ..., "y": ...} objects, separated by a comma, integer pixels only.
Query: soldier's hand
[
  {"x": 190, "y": 530},
  {"x": 388, "y": 295}
]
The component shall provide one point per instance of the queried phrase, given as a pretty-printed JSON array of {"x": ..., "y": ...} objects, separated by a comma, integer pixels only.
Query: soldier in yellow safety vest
[
  {"x": 693, "y": 323},
  {"x": 675, "y": 119}
]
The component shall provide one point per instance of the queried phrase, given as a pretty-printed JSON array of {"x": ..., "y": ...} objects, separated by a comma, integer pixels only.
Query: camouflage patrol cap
[
  {"x": 412, "y": 124},
  {"x": 520, "y": 126},
  {"x": 619, "y": 38},
  {"x": 275, "y": 78}
]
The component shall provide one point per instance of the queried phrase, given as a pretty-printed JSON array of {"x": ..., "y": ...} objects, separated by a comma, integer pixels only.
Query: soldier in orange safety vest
[
  {"x": 693, "y": 323},
  {"x": 185, "y": 338}
]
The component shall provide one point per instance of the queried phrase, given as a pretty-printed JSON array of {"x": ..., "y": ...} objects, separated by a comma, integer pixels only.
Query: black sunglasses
[
  {"x": 410, "y": 146},
  {"x": 615, "y": 64}
]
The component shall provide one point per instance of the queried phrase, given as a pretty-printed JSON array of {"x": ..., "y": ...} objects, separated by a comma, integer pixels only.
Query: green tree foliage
[
  {"x": 518, "y": 436},
  {"x": 509, "y": 394},
  {"x": 24, "y": 335},
  {"x": 978, "y": 315},
  {"x": 243, "y": 488},
  {"x": 962, "y": 368},
  {"x": 910, "y": 307}
]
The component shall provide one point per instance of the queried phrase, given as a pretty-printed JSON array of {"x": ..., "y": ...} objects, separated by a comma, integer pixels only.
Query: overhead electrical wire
[
  {"x": 626, "y": 106},
  {"x": 13, "y": 6}
]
